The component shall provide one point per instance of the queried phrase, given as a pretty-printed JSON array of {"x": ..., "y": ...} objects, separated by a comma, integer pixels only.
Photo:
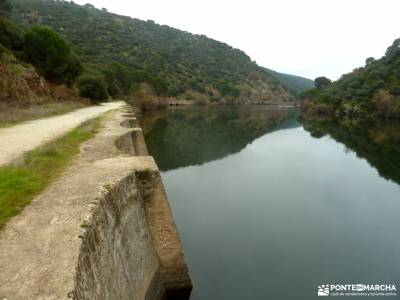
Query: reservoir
[{"x": 270, "y": 206}]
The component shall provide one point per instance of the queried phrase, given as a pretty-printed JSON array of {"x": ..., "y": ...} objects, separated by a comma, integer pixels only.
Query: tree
[
  {"x": 113, "y": 89},
  {"x": 11, "y": 35},
  {"x": 5, "y": 8},
  {"x": 93, "y": 87},
  {"x": 322, "y": 82},
  {"x": 73, "y": 70},
  {"x": 369, "y": 60},
  {"x": 47, "y": 51},
  {"x": 145, "y": 100},
  {"x": 394, "y": 49},
  {"x": 159, "y": 85}
]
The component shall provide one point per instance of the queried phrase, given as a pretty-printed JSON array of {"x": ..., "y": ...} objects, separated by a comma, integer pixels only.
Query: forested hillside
[
  {"x": 175, "y": 63},
  {"x": 37, "y": 71},
  {"x": 372, "y": 90},
  {"x": 296, "y": 84}
]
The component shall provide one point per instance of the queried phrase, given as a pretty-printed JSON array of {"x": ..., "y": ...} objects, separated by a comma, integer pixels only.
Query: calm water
[{"x": 268, "y": 208}]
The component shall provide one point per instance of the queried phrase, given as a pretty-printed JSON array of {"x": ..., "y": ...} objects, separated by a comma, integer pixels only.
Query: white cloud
[{"x": 303, "y": 37}]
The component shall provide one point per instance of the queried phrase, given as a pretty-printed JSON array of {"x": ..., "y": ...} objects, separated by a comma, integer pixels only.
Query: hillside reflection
[
  {"x": 196, "y": 135},
  {"x": 376, "y": 141}
]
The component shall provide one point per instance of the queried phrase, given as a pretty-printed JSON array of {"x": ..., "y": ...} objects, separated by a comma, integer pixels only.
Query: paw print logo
[{"x": 323, "y": 290}]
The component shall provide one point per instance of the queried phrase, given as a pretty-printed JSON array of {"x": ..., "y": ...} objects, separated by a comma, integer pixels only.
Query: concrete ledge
[
  {"x": 131, "y": 233},
  {"x": 104, "y": 230},
  {"x": 132, "y": 143},
  {"x": 129, "y": 123}
]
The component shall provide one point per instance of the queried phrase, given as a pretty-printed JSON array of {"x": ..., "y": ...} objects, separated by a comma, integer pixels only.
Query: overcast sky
[{"x": 303, "y": 37}]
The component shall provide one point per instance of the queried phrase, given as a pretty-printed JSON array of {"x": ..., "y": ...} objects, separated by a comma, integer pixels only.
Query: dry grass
[
  {"x": 147, "y": 100},
  {"x": 198, "y": 98},
  {"x": 10, "y": 115}
]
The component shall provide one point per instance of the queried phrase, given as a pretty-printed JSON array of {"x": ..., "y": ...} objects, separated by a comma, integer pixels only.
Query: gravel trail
[{"x": 18, "y": 139}]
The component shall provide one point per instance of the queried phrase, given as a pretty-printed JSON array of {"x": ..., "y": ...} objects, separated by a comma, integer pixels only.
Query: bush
[
  {"x": 385, "y": 103},
  {"x": 5, "y": 8},
  {"x": 2, "y": 50},
  {"x": 11, "y": 35},
  {"x": 93, "y": 87},
  {"x": 113, "y": 90},
  {"x": 160, "y": 85},
  {"x": 226, "y": 89},
  {"x": 197, "y": 97},
  {"x": 147, "y": 101},
  {"x": 126, "y": 78},
  {"x": 74, "y": 69}
]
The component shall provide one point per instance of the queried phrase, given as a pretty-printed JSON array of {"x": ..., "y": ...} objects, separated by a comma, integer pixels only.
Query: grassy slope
[{"x": 21, "y": 182}]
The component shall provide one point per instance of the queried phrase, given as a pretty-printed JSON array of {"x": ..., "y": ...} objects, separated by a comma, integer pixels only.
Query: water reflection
[
  {"x": 287, "y": 210},
  {"x": 196, "y": 135},
  {"x": 376, "y": 141}
]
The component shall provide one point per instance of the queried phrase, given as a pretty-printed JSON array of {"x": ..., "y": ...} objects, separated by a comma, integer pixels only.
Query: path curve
[{"x": 18, "y": 139}]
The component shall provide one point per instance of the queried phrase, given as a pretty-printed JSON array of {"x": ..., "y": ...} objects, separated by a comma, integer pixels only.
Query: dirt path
[{"x": 16, "y": 140}]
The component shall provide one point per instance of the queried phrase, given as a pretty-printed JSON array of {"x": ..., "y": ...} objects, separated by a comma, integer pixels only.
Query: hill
[
  {"x": 372, "y": 90},
  {"x": 184, "y": 65},
  {"x": 25, "y": 91},
  {"x": 295, "y": 84}
]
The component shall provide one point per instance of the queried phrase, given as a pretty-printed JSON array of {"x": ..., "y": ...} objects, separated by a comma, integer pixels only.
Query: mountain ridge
[
  {"x": 191, "y": 64},
  {"x": 296, "y": 84}
]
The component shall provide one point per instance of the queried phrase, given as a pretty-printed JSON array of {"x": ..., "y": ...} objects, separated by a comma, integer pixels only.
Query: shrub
[
  {"x": 160, "y": 85},
  {"x": 113, "y": 90},
  {"x": 146, "y": 101},
  {"x": 227, "y": 89},
  {"x": 74, "y": 69},
  {"x": 5, "y": 8},
  {"x": 2, "y": 50},
  {"x": 199, "y": 98},
  {"x": 11, "y": 35},
  {"x": 134, "y": 89},
  {"x": 93, "y": 87},
  {"x": 385, "y": 103}
]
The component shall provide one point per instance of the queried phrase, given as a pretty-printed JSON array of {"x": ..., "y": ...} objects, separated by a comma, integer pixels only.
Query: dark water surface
[{"x": 268, "y": 208}]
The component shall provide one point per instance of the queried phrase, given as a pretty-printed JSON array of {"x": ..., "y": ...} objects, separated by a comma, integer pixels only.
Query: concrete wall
[
  {"x": 117, "y": 258},
  {"x": 102, "y": 230},
  {"x": 130, "y": 247}
]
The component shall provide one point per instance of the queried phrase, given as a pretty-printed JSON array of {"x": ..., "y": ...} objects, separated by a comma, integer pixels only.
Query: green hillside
[
  {"x": 372, "y": 90},
  {"x": 185, "y": 65},
  {"x": 38, "y": 71},
  {"x": 295, "y": 84}
]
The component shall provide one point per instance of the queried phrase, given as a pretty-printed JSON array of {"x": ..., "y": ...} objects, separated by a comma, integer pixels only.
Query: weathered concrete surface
[
  {"x": 104, "y": 230},
  {"x": 16, "y": 140}
]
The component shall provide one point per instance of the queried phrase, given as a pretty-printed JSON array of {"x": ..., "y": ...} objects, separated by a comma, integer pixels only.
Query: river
[{"x": 268, "y": 207}]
